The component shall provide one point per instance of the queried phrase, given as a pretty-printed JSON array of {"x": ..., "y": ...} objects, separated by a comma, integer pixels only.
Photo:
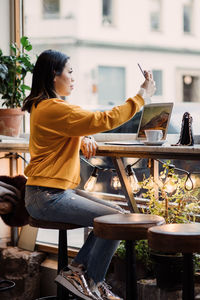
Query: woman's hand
[
  {"x": 88, "y": 146},
  {"x": 149, "y": 84}
]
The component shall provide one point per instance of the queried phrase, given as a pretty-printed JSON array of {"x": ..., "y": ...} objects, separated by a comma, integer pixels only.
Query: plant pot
[
  {"x": 168, "y": 270},
  {"x": 10, "y": 121}
]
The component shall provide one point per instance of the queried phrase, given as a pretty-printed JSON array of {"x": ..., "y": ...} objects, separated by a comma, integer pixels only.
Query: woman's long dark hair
[{"x": 49, "y": 64}]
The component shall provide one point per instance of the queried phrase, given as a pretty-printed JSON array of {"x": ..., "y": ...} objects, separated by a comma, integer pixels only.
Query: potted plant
[{"x": 13, "y": 70}]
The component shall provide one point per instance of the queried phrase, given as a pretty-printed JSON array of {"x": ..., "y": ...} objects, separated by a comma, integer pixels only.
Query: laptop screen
[{"x": 155, "y": 116}]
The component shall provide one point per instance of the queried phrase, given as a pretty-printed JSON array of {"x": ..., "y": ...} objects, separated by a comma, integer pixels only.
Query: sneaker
[
  {"x": 106, "y": 293},
  {"x": 76, "y": 283}
]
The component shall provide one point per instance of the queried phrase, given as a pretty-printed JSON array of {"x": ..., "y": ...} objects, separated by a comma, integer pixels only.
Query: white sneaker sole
[{"x": 64, "y": 282}]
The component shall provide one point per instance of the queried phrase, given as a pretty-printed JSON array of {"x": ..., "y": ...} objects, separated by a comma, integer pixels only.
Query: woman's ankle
[{"x": 76, "y": 267}]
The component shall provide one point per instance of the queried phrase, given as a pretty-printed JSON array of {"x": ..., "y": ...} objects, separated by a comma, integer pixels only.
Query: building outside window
[
  {"x": 158, "y": 78},
  {"x": 155, "y": 15},
  {"x": 51, "y": 9},
  {"x": 111, "y": 85},
  {"x": 107, "y": 12}
]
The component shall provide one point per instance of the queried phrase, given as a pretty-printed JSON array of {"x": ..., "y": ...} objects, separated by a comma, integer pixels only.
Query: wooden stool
[
  {"x": 184, "y": 238},
  {"x": 128, "y": 227},
  {"x": 62, "y": 293}
]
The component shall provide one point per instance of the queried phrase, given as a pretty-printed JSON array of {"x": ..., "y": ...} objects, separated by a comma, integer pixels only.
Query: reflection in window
[
  {"x": 155, "y": 12},
  {"x": 157, "y": 75},
  {"x": 51, "y": 9},
  {"x": 107, "y": 12},
  {"x": 111, "y": 85},
  {"x": 187, "y": 16}
]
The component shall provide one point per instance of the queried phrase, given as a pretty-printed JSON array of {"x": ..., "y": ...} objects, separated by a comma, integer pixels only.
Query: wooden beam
[{"x": 17, "y": 22}]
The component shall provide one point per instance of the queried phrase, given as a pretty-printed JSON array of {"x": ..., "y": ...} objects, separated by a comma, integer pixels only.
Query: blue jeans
[{"x": 76, "y": 207}]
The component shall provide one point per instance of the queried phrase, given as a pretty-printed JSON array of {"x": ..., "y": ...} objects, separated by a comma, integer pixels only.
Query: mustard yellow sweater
[{"x": 56, "y": 128}]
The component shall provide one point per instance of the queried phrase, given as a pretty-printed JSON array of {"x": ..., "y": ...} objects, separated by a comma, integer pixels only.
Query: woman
[{"x": 58, "y": 130}]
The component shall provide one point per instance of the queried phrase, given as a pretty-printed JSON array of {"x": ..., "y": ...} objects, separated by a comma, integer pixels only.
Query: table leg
[
  {"x": 62, "y": 293},
  {"x": 131, "y": 276},
  {"x": 13, "y": 165},
  {"x": 117, "y": 161},
  {"x": 188, "y": 277}
]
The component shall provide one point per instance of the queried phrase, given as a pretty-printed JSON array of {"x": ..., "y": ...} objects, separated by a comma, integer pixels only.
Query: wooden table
[{"x": 117, "y": 152}]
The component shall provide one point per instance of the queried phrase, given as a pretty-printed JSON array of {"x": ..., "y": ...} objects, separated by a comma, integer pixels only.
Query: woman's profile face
[{"x": 64, "y": 83}]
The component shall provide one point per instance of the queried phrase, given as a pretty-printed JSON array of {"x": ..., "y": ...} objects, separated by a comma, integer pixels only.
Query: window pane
[
  {"x": 187, "y": 18},
  {"x": 75, "y": 237},
  {"x": 107, "y": 12},
  {"x": 157, "y": 75},
  {"x": 111, "y": 85},
  {"x": 191, "y": 88},
  {"x": 155, "y": 10},
  {"x": 51, "y": 8}
]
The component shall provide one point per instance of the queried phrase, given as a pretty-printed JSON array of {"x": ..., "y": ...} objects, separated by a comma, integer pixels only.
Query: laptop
[{"x": 154, "y": 116}]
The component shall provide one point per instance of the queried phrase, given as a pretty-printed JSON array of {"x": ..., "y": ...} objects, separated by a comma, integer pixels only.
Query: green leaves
[
  {"x": 13, "y": 70},
  {"x": 25, "y": 43},
  {"x": 168, "y": 197},
  {"x": 3, "y": 71}
]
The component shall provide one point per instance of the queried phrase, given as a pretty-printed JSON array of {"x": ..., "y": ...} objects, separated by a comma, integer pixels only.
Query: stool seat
[
  {"x": 125, "y": 226},
  {"x": 52, "y": 225},
  {"x": 183, "y": 238},
  {"x": 128, "y": 227}
]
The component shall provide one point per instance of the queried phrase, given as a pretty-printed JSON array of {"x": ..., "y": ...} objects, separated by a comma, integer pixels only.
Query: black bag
[{"x": 186, "y": 135}]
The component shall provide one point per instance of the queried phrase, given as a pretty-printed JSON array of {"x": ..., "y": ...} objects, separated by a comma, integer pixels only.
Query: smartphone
[{"x": 141, "y": 70}]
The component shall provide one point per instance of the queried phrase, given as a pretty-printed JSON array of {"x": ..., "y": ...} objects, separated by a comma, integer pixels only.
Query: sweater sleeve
[{"x": 81, "y": 122}]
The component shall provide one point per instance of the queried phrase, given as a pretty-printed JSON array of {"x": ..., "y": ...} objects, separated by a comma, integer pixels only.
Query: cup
[{"x": 153, "y": 135}]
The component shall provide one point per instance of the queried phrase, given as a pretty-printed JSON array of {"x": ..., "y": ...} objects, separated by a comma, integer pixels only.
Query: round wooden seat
[
  {"x": 52, "y": 225},
  {"x": 125, "y": 226},
  {"x": 128, "y": 227},
  {"x": 183, "y": 238}
]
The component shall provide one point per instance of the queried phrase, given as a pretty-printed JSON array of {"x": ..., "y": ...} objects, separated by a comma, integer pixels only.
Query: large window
[
  {"x": 155, "y": 15},
  {"x": 76, "y": 27},
  {"x": 111, "y": 85}
]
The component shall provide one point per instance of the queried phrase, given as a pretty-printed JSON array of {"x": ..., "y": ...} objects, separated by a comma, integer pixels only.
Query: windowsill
[{"x": 72, "y": 252}]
